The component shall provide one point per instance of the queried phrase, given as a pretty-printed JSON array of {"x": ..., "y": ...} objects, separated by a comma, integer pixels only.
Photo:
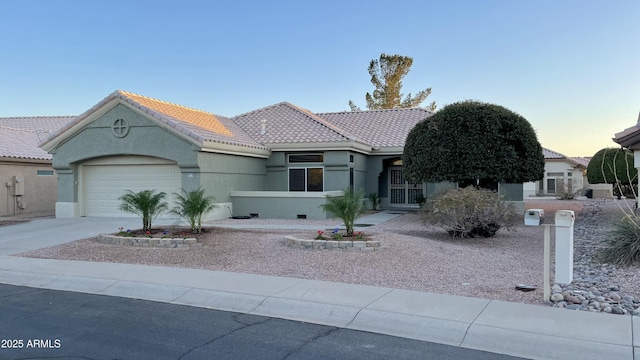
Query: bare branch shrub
[
  {"x": 470, "y": 212},
  {"x": 568, "y": 190}
]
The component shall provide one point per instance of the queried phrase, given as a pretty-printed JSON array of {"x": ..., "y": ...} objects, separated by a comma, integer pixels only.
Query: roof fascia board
[
  {"x": 395, "y": 150},
  {"x": 321, "y": 146},
  {"x": 13, "y": 160},
  {"x": 567, "y": 160},
  {"x": 68, "y": 133},
  {"x": 216, "y": 147}
]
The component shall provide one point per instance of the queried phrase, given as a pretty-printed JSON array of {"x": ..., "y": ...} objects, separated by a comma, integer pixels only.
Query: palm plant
[
  {"x": 347, "y": 207},
  {"x": 192, "y": 206},
  {"x": 147, "y": 204}
]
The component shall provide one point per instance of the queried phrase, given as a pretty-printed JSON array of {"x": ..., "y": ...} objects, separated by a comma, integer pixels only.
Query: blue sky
[{"x": 572, "y": 68}]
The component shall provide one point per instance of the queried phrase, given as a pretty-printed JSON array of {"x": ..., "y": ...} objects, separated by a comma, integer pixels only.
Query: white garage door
[{"x": 104, "y": 184}]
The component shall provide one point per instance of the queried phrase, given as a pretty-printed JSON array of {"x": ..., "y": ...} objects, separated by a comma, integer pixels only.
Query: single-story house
[
  {"x": 27, "y": 179},
  {"x": 560, "y": 171},
  {"x": 280, "y": 161}
]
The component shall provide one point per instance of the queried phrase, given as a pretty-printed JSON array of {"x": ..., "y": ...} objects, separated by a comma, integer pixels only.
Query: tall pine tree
[{"x": 386, "y": 75}]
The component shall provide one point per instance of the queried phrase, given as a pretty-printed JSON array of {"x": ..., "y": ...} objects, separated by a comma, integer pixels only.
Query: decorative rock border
[
  {"x": 176, "y": 243},
  {"x": 361, "y": 245}
]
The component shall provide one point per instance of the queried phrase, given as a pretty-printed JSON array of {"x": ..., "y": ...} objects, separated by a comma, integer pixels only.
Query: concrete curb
[{"x": 528, "y": 331}]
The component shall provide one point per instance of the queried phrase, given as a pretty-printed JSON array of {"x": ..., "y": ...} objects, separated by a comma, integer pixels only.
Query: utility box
[
  {"x": 18, "y": 186},
  {"x": 533, "y": 217},
  {"x": 564, "y": 246}
]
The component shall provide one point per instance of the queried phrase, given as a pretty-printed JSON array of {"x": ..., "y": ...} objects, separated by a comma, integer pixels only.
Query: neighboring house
[
  {"x": 281, "y": 161},
  {"x": 27, "y": 179},
  {"x": 561, "y": 172}
]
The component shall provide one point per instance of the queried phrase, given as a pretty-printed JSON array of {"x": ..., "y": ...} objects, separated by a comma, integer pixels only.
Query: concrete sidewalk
[{"x": 528, "y": 331}]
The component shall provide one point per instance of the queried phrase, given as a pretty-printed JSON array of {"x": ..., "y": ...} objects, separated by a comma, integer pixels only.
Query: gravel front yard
[{"x": 412, "y": 256}]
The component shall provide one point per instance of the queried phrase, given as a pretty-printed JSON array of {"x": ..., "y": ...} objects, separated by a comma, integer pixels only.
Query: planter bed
[
  {"x": 178, "y": 243},
  {"x": 362, "y": 245}
]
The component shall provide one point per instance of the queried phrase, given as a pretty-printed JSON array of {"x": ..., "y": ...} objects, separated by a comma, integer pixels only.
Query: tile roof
[
  {"x": 549, "y": 154},
  {"x": 582, "y": 160},
  {"x": 42, "y": 125},
  {"x": 379, "y": 128},
  {"x": 285, "y": 123},
  {"x": 21, "y": 144},
  {"x": 577, "y": 161},
  {"x": 197, "y": 124}
]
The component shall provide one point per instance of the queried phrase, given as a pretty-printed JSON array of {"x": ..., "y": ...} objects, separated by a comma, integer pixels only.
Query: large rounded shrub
[
  {"x": 612, "y": 165},
  {"x": 471, "y": 140}
]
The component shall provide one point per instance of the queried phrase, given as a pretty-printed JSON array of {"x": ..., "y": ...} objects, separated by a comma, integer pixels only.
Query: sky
[{"x": 570, "y": 67}]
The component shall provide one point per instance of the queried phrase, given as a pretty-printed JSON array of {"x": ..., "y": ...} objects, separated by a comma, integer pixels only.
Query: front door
[{"x": 402, "y": 193}]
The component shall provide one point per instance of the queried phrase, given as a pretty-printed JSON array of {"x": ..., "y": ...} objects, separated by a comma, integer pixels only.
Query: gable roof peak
[{"x": 285, "y": 103}]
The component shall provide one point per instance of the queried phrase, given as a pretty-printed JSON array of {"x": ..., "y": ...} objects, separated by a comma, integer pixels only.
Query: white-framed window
[
  {"x": 554, "y": 181},
  {"x": 306, "y": 179},
  {"x": 307, "y": 172}
]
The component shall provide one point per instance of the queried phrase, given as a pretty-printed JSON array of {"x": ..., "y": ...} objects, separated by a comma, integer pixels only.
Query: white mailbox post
[
  {"x": 564, "y": 246},
  {"x": 535, "y": 217}
]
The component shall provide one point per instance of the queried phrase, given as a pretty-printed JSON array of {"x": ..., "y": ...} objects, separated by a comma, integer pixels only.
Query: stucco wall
[
  {"x": 220, "y": 174},
  {"x": 565, "y": 168},
  {"x": 280, "y": 205},
  {"x": 39, "y": 191},
  {"x": 361, "y": 174}
]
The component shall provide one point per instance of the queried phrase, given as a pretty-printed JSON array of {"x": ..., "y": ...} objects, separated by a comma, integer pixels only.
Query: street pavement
[
  {"x": 42, "y": 323},
  {"x": 521, "y": 330}
]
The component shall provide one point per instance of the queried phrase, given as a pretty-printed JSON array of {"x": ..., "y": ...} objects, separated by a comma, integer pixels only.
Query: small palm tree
[
  {"x": 192, "y": 206},
  {"x": 146, "y": 204},
  {"x": 347, "y": 207}
]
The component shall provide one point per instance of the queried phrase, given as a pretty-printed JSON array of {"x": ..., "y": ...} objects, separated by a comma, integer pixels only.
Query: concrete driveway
[{"x": 45, "y": 232}]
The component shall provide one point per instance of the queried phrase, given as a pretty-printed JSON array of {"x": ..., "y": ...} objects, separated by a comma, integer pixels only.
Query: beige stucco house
[{"x": 28, "y": 182}]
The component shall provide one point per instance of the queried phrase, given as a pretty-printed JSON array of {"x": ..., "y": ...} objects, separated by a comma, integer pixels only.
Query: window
[
  {"x": 306, "y": 158},
  {"x": 44, "y": 172},
  {"x": 306, "y": 179},
  {"x": 351, "y": 177},
  {"x": 551, "y": 186}
]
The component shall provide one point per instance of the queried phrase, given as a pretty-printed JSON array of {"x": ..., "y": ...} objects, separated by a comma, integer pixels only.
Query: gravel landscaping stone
[{"x": 411, "y": 256}]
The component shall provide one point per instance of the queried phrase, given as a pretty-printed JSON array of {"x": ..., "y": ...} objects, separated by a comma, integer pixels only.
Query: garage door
[{"x": 104, "y": 184}]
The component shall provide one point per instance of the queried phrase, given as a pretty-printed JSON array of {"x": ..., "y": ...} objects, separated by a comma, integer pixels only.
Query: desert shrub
[
  {"x": 569, "y": 190},
  {"x": 471, "y": 212},
  {"x": 374, "y": 200},
  {"x": 623, "y": 242}
]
